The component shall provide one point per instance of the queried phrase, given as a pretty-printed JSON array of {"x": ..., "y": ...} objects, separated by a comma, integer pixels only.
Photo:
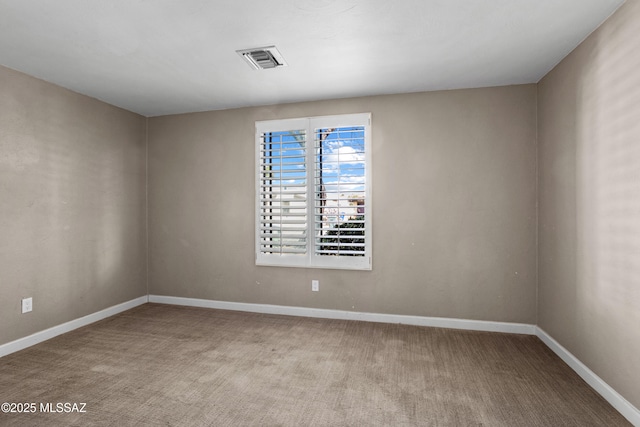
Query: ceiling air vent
[{"x": 263, "y": 58}]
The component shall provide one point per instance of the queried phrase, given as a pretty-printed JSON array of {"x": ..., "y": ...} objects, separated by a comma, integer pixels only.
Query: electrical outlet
[
  {"x": 315, "y": 285},
  {"x": 27, "y": 305}
]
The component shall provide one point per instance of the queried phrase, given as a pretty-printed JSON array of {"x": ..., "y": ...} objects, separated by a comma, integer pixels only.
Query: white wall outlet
[
  {"x": 315, "y": 285},
  {"x": 27, "y": 305}
]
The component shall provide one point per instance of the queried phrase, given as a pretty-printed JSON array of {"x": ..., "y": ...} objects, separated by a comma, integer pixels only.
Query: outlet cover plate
[{"x": 27, "y": 305}]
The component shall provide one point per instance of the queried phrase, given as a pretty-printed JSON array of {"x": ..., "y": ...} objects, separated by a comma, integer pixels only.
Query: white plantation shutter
[
  {"x": 282, "y": 230},
  {"x": 313, "y": 192}
]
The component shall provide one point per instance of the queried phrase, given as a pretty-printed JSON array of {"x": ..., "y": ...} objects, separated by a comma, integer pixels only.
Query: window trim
[{"x": 310, "y": 259}]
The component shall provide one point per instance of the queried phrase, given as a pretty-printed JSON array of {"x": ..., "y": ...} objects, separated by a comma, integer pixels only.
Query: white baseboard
[
  {"x": 623, "y": 406},
  {"x": 437, "y": 322},
  {"x": 38, "y": 337}
]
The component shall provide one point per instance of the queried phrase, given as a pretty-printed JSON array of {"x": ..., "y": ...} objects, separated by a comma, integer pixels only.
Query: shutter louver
[
  {"x": 282, "y": 193},
  {"x": 340, "y": 208}
]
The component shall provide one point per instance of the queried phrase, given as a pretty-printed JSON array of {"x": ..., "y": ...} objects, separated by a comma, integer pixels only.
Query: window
[{"x": 313, "y": 192}]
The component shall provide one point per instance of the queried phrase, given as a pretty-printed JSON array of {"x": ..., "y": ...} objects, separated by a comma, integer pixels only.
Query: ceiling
[{"x": 157, "y": 57}]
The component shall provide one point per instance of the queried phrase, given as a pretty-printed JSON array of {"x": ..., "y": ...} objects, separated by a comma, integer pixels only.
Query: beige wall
[
  {"x": 589, "y": 192},
  {"x": 72, "y": 205},
  {"x": 454, "y": 202}
]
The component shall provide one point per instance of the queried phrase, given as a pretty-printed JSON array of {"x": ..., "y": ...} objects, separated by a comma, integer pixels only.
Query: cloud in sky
[{"x": 345, "y": 155}]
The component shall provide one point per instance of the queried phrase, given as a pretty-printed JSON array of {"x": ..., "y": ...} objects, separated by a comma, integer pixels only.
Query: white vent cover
[{"x": 263, "y": 58}]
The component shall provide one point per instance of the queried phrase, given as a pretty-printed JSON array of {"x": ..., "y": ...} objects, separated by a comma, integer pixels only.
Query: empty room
[{"x": 320, "y": 213}]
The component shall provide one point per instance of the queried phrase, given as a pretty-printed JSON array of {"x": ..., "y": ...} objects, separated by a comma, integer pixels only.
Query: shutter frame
[{"x": 344, "y": 252}]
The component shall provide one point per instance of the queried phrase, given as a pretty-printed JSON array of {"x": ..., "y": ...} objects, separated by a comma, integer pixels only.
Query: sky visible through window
[{"x": 340, "y": 172}]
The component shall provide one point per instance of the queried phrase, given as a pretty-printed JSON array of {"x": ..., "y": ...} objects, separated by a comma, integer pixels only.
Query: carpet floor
[{"x": 161, "y": 365}]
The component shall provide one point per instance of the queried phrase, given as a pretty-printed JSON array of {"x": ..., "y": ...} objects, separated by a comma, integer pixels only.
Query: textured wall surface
[
  {"x": 589, "y": 186},
  {"x": 72, "y": 205},
  {"x": 454, "y": 208}
]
